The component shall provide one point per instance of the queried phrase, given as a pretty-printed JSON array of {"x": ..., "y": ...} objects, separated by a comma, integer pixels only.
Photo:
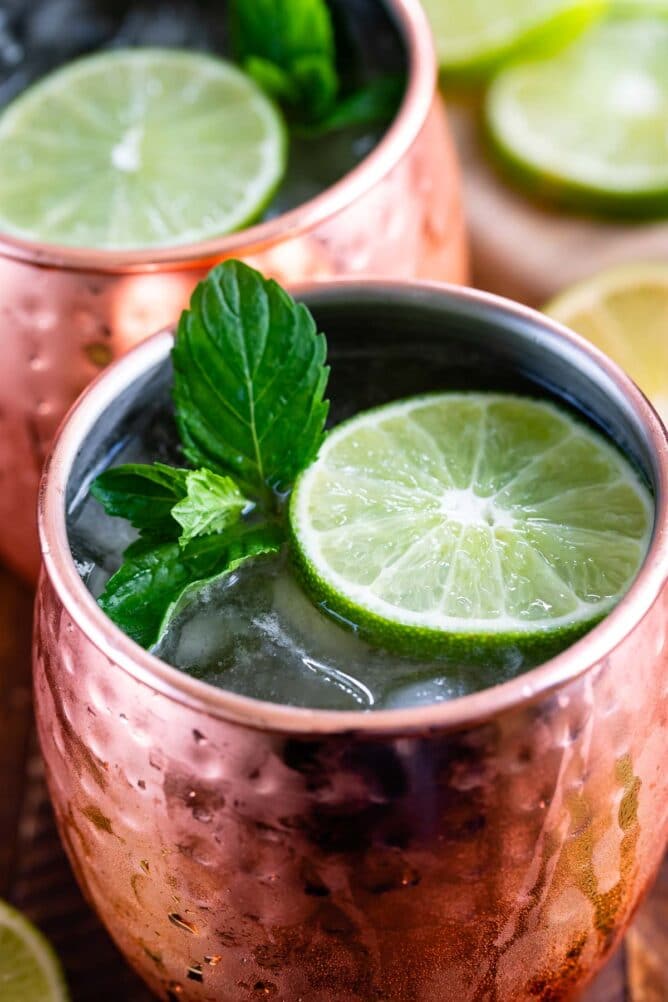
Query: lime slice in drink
[
  {"x": 468, "y": 523},
  {"x": 138, "y": 148},
  {"x": 473, "y": 37},
  {"x": 588, "y": 127},
  {"x": 624, "y": 312},
  {"x": 29, "y": 969}
]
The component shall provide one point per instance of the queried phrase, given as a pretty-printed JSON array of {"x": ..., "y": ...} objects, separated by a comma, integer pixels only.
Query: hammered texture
[
  {"x": 60, "y": 327},
  {"x": 499, "y": 862}
]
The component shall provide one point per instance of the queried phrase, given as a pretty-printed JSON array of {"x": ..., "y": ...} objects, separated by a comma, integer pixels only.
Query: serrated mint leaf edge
[
  {"x": 269, "y": 547},
  {"x": 226, "y": 507}
]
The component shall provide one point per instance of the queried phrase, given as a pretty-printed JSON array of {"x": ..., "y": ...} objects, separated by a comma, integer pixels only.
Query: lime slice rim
[
  {"x": 592, "y": 293},
  {"x": 613, "y": 278},
  {"x": 38, "y": 947},
  {"x": 540, "y": 36},
  {"x": 57, "y": 81},
  {"x": 548, "y": 182},
  {"x": 462, "y": 629}
]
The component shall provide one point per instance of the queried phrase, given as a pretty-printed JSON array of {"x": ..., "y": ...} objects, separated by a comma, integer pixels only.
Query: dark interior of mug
[{"x": 386, "y": 344}]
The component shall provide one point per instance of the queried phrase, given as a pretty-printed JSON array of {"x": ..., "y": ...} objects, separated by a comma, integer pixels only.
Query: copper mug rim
[
  {"x": 79, "y": 604},
  {"x": 418, "y": 98}
]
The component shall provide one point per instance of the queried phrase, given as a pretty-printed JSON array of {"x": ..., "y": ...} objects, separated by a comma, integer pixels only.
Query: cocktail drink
[
  {"x": 89, "y": 267},
  {"x": 244, "y": 830}
]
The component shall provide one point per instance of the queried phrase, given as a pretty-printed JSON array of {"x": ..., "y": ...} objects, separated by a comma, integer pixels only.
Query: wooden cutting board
[{"x": 527, "y": 251}]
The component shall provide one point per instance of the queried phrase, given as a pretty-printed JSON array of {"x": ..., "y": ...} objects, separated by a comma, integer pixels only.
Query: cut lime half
[
  {"x": 588, "y": 127},
  {"x": 464, "y": 523},
  {"x": 138, "y": 148},
  {"x": 29, "y": 969},
  {"x": 624, "y": 312},
  {"x": 474, "y": 37}
]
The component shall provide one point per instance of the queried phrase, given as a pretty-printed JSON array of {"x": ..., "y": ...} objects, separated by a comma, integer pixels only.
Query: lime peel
[
  {"x": 473, "y": 39},
  {"x": 586, "y": 128},
  {"x": 429, "y": 560},
  {"x": 29, "y": 968},
  {"x": 183, "y": 147}
]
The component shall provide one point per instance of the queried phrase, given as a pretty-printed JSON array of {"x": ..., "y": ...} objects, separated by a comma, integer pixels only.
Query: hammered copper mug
[
  {"x": 489, "y": 848},
  {"x": 67, "y": 312}
]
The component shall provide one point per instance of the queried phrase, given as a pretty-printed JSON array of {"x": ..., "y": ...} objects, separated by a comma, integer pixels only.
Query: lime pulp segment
[
  {"x": 480, "y": 516},
  {"x": 474, "y": 36},
  {"x": 588, "y": 127},
  {"x": 138, "y": 148},
  {"x": 624, "y": 312},
  {"x": 29, "y": 969}
]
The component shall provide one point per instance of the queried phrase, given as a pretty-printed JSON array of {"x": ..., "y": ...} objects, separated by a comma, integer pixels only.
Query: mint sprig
[
  {"x": 249, "y": 384},
  {"x": 249, "y": 381},
  {"x": 288, "y": 47}
]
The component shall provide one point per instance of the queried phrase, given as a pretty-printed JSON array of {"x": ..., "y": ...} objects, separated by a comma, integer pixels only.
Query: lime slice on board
[
  {"x": 474, "y": 37},
  {"x": 138, "y": 148},
  {"x": 624, "y": 312},
  {"x": 29, "y": 969},
  {"x": 462, "y": 523},
  {"x": 588, "y": 127}
]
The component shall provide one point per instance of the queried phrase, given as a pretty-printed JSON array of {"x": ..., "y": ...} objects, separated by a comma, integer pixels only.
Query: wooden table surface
[{"x": 35, "y": 876}]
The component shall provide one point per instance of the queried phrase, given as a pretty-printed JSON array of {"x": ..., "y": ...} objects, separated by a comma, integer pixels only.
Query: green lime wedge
[
  {"x": 464, "y": 523},
  {"x": 588, "y": 127},
  {"x": 29, "y": 969},
  {"x": 474, "y": 37},
  {"x": 138, "y": 148}
]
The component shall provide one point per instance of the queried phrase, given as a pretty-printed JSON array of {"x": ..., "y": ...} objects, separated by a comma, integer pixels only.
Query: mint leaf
[
  {"x": 155, "y": 579},
  {"x": 373, "y": 104},
  {"x": 249, "y": 381},
  {"x": 212, "y": 503},
  {"x": 143, "y": 494},
  {"x": 297, "y": 39}
]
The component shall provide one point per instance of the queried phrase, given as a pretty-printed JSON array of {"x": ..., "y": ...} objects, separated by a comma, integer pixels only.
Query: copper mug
[
  {"x": 68, "y": 312},
  {"x": 492, "y": 847}
]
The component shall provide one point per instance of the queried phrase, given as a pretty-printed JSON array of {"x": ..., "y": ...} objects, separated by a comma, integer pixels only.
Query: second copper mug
[
  {"x": 66, "y": 312},
  {"x": 488, "y": 849}
]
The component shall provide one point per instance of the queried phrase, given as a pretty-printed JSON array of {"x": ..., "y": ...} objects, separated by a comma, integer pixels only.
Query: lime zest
[
  {"x": 586, "y": 128},
  {"x": 29, "y": 966},
  {"x": 184, "y": 147},
  {"x": 507, "y": 534}
]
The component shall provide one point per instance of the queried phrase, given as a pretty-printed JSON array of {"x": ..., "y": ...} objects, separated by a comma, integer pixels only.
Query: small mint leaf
[
  {"x": 143, "y": 494},
  {"x": 249, "y": 381},
  {"x": 155, "y": 581},
  {"x": 212, "y": 503}
]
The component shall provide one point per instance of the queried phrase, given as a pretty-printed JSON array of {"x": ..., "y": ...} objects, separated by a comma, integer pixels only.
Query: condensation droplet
[
  {"x": 194, "y": 973},
  {"x": 265, "y": 988},
  {"x": 182, "y": 923},
  {"x": 99, "y": 354},
  {"x": 202, "y": 815}
]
